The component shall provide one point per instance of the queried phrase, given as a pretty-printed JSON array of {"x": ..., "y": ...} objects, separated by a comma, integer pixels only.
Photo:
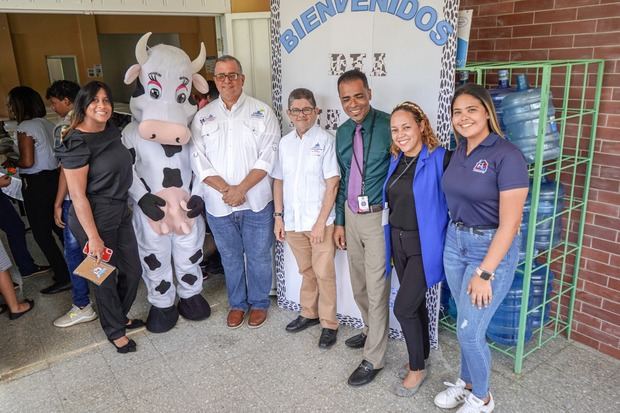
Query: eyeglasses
[
  {"x": 296, "y": 112},
  {"x": 231, "y": 76}
]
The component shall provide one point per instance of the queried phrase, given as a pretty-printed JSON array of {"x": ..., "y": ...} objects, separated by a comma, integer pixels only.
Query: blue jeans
[
  {"x": 73, "y": 257},
  {"x": 250, "y": 233},
  {"x": 463, "y": 252}
]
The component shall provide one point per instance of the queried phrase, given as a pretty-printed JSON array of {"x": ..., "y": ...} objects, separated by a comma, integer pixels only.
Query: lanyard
[
  {"x": 365, "y": 155},
  {"x": 407, "y": 165}
]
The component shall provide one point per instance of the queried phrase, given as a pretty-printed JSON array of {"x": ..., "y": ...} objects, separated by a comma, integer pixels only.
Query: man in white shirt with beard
[{"x": 235, "y": 144}]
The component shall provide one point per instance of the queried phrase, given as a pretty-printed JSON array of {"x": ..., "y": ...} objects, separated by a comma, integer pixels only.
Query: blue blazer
[{"x": 431, "y": 209}]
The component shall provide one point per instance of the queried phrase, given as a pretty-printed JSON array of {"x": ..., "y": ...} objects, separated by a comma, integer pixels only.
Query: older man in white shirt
[
  {"x": 305, "y": 187},
  {"x": 235, "y": 144}
]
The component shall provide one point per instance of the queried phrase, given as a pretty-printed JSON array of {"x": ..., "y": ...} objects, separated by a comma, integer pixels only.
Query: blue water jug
[
  {"x": 540, "y": 281},
  {"x": 547, "y": 196},
  {"x": 498, "y": 94},
  {"x": 504, "y": 326},
  {"x": 521, "y": 110}
]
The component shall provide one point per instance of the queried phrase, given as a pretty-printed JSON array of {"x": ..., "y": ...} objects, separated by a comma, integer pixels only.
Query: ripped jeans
[{"x": 463, "y": 252}]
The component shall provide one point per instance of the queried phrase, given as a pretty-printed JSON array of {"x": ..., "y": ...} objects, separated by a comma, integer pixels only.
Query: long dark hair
[
  {"x": 26, "y": 103},
  {"x": 482, "y": 94},
  {"x": 84, "y": 98}
]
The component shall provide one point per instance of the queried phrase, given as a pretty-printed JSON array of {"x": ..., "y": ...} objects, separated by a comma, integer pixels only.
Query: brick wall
[{"x": 573, "y": 29}]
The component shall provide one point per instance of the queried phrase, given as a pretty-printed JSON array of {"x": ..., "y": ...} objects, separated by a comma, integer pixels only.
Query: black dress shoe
[
  {"x": 363, "y": 374},
  {"x": 38, "y": 269},
  {"x": 56, "y": 288},
  {"x": 301, "y": 323},
  {"x": 135, "y": 323},
  {"x": 328, "y": 338},
  {"x": 130, "y": 347},
  {"x": 357, "y": 341},
  {"x": 15, "y": 316}
]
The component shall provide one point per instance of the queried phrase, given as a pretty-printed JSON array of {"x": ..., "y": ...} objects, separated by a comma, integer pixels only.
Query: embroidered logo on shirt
[
  {"x": 481, "y": 166},
  {"x": 259, "y": 114},
  {"x": 316, "y": 150},
  {"x": 209, "y": 118},
  {"x": 274, "y": 146}
]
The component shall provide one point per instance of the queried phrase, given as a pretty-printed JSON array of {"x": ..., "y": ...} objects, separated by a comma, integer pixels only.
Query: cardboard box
[{"x": 93, "y": 271}]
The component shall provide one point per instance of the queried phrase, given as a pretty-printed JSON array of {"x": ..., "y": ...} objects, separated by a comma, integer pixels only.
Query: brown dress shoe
[
  {"x": 257, "y": 318},
  {"x": 235, "y": 318}
]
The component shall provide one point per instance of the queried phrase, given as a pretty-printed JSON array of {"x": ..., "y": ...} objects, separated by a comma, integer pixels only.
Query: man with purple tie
[{"x": 363, "y": 150}]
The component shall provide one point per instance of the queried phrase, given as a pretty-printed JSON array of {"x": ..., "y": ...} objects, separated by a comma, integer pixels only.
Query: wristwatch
[
  {"x": 277, "y": 214},
  {"x": 485, "y": 275}
]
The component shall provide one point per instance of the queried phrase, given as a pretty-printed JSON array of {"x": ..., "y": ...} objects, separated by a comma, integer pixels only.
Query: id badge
[
  {"x": 362, "y": 203},
  {"x": 385, "y": 216}
]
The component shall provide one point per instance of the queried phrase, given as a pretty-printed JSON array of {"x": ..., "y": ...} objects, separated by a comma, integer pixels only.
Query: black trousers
[
  {"x": 410, "y": 304},
  {"x": 116, "y": 294},
  {"x": 39, "y": 192},
  {"x": 13, "y": 226}
]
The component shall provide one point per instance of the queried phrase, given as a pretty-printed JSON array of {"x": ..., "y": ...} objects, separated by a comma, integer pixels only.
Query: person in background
[
  {"x": 415, "y": 232},
  {"x": 16, "y": 309},
  {"x": 363, "y": 150},
  {"x": 61, "y": 95},
  {"x": 99, "y": 173},
  {"x": 235, "y": 148},
  {"x": 38, "y": 170},
  {"x": 305, "y": 185},
  {"x": 203, "y": 99},
  {"x": 485, "y": 184}
]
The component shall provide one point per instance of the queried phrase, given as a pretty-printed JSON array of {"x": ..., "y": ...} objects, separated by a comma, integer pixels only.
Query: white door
[{"x": 246, "y": 36}]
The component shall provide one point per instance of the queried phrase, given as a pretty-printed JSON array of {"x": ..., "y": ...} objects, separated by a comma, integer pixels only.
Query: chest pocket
[{"x": 210, "y": 130}]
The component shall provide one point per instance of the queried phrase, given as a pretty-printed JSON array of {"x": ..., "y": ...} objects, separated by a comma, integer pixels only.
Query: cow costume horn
[
  {"x": 141, "y": 53},
  {"x": 199, "y": 62}
]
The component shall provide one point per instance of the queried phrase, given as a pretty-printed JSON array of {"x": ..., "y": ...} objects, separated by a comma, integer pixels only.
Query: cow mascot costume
[{"x": 166, "y": 216}]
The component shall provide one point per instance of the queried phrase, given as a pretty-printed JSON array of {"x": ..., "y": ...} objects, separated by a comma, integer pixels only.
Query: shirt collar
[
  {"x": 490, "y": 140},
  {"x": 234, "y": 107},
  {"x": 308, "y": 133},
  {"x": 367, "y": 120}
]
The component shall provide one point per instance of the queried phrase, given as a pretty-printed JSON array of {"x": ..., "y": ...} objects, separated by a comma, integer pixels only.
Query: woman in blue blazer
[{"x": 415, "y": 229}]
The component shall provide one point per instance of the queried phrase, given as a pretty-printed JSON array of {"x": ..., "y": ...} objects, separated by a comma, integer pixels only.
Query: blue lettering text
[
  {"x": 356, "y": 5},
  {"x": 442, "y": 32},
  {"x": 289, "y": 40},
  {"x": 324, "y": 9},
  {"x": 407, "y": 9},
  {"x": 298, "y": 29},
  {"x": 309, "y": 19},
  {"x": 383, "y": 5},
  {"x": 422, "y": 13}
]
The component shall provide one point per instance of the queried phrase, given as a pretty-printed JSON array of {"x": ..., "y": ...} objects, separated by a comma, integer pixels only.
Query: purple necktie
[{"x": 357, "y": 168}]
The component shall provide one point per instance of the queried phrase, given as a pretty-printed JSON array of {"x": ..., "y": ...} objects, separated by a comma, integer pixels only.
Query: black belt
[
  {"x": 476, "y": 229},
  {"x": 372, "y": 208}
]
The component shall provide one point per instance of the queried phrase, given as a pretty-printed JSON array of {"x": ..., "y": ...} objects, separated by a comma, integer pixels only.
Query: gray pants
[{"x": 371, "y": 289}]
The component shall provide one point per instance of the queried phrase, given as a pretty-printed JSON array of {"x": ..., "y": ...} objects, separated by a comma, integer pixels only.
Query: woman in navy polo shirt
[
  {"x": 415, "y": 231},
  {"x": 486, "y": 184}
]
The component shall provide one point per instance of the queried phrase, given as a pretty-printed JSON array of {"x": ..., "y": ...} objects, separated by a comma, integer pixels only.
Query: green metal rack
[{"x": 575, "y": 86}]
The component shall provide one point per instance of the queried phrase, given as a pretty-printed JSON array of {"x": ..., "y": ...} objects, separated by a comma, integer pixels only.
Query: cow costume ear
[
  {"x": 132, "y": 74},
  {"x": 200, "y": 83}
]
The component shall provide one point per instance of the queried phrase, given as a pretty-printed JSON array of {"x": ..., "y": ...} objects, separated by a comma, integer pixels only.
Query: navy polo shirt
[{"x": 472, "y": 183}]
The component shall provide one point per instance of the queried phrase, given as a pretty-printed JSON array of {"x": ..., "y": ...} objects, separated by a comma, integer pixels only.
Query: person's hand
[
  {"x": 278, "y": 228},
  {"x": 96, "y": 248},
  {"x": 234, "y": 196},
  {"x": 317, "y": 234},
  {"x": 151, "y": 206},
  {"x": 195, "y": 206},
  {"x": 339, "y": 238},
  {"x": 5, "y": 181},
  {"x": 58, "y": 216},
  {"x": 480, "y": 291}
]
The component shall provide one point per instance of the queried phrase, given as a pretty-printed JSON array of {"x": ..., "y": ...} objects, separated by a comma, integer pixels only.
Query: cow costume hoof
[
  {"x": 161, "y": 320},
  {"x": 194, "y": 308}
]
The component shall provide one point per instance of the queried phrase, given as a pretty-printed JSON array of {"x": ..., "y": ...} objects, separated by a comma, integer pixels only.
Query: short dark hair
[
  {"x": 213, "y": 92},
  {"x": 351, "y": 75},
  {"x": 301, "y": 93},
  {"x": 229, "y": 58},
  {"x": 61, "y": 89},
  {"x": 26, "y": 103},
  {"x": 84, "y": 98}
]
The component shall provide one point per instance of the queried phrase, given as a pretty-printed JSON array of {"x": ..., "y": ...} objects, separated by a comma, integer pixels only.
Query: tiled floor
[{"x": 203, "y": 366}]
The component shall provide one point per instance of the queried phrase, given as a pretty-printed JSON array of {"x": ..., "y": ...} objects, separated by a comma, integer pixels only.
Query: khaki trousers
[
  {"x": 371, "y": 289},
  {"x": 317, "y": 295}
]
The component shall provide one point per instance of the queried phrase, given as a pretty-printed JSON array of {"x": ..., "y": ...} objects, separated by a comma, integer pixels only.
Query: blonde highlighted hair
[{"x": 428, "y": 135}]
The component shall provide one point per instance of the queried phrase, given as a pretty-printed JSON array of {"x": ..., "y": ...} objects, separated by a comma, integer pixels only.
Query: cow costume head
[{"x": 162, "y": 101}]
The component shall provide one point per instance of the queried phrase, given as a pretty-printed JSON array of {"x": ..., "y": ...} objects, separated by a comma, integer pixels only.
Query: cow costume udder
[{"x": 167, "y": 221}]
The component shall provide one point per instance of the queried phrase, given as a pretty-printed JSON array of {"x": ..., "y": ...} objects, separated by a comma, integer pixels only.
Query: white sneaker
[
  {"x": 76, "y": 316},
  {"x": 475, "y": 405},
  {"x": 454, "y": 395}
]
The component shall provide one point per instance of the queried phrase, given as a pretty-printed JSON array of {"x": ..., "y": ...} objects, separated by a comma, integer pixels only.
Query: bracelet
[
  {"x": 485, "y": 275},
  {"x": 278, "y": 214}
]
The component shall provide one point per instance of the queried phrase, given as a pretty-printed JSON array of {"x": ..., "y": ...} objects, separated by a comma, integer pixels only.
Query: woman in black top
[
  {"x": 98, "y": 169},
  {"x": 415, "y": 231}
]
